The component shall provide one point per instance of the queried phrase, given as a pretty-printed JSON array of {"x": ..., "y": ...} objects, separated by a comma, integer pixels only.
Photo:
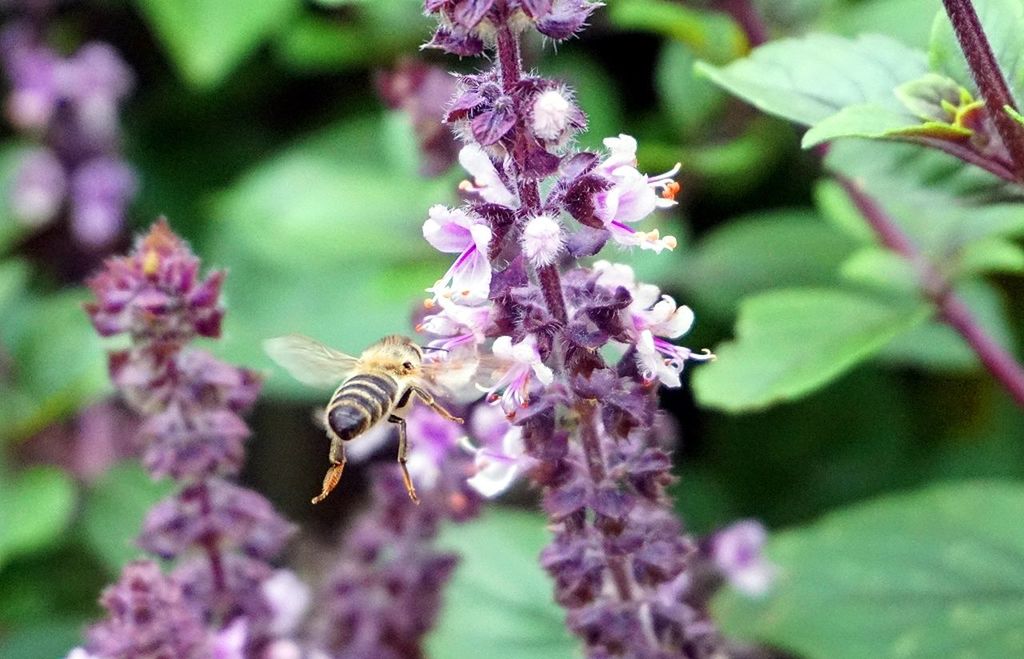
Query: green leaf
[
  {"x": 710, "y": 35},
  {"x": 114, "y": 510},
  {"x": 790, "y": 342},
  {"x": 988, "y": 256},
  {"x": 942, "y": 204},
  {"x": 906, "y": 20},
  {"x": 689, "y": 101},
  {"x": 59, "y": 362},
  {"x": 13, "y": 276},
  {"x": 11, "y": 230},
  {"x": 937, "y": 347},
  {"x": 52, "y": 638},
  {"x": 881, "y": 268},
  {"x": 35, "y": 507},
  {"x": 758, "y": 252},
  {"x": 865, "y": 120},
  {"x": 207, "y": 39},
  {"x": 935, "y": 573},
  {"x": 1003, "y": 23},
  {"x": 810, "y": 78},
  {"x": 500, "y": 597}
]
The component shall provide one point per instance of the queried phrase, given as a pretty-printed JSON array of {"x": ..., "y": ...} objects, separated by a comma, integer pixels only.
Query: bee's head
[{"x": 397, "y": 354}]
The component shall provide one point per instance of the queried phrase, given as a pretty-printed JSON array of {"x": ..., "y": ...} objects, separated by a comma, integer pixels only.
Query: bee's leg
[
  {"x": 427, "y": 398},
  {"x": 337, "y": 457},
  {"x": 403, "y": 447}
]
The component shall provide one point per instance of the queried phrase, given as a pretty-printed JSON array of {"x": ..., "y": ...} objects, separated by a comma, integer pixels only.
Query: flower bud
[{"x": 542, "y": 240}]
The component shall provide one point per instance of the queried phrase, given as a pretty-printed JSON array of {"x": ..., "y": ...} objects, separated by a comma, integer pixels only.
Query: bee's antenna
[{"x": 434, "y": 348}]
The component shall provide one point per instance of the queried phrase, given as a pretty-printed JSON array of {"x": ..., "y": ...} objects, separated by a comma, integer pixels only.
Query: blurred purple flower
[
  {"x": 100, "y": 191},
  {"x": 39, "y": 188},
  {"x": 738, "y": 552}
]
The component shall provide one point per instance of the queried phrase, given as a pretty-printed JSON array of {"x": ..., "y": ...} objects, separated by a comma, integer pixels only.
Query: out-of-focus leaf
[
  {"x": 312, "y": 43},
  {"x": 114, "y": 510},
  {"x": 11, "y": 230},
  {"x": 207, "y": 39},
  {"x": 688, "y": 100},
  {"x": 35, "y": 506},
  {"x": 331, "y": 198},
  {"x": 926, "y": 574},
  {"x": 1003, "y": 22},
  {"x": 810, "y": 78},
  {"x": 52, "y": 638},
  {"x": 13, "y": 275},
  {"x": 906, "y": 20},
  {"x": 711, "y": 35},
  {"x": 500, "y": 596},
  {"x": 58, "y": 362},
  {"x": 940, "y": 203},
  {"x": 792, "y": 341},
  {"x": 768, "y": 250},
  {"x": 990, "y": 255},
  {"x": 881, "y": 268},
  {"x": 937, "y": 347},
  {"x": 839, "y": 210}
]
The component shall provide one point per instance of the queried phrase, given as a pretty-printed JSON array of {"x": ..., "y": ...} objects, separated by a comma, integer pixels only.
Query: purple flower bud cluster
[
  {"x": 69, "y": 107},
  {"x": 222, "y": 598},
  {"x": 383, "y": 595},
  {"x": 574, "y": 353}
]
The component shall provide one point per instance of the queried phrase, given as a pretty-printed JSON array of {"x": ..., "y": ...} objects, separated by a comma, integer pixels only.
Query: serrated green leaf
[
  {"x": 810, "y": 78},
  {"x": 935, "y": 573},
  {"x": 754, "y": 253},
  {"x": 500, "y": 597},
  {"x": 207, "y": 39},
  {"x": 35, "y": 507},
  {"x": 1003, "y": 23},
  {"x": 710, "y": 35},
  {"x": 114, "y": 509},
  {"x": 880, "y": 268},
  {"x": 790, "y": 342}
]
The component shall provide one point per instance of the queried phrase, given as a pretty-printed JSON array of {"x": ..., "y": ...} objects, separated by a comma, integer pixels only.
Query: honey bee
[{"x": 378, "y": 385}]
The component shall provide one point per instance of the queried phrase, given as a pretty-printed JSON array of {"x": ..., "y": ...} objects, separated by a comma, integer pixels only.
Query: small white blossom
[
  {"x": 542, "y": 240},
  {"x": 289, "y": 598},
  {"x": 229, "y": 643},
  {"x": 454, "y": 230},
  {"x": 738, "y": 551},
  {"x": 501, "y": 457},
  {"x": 551, "y": 115}
]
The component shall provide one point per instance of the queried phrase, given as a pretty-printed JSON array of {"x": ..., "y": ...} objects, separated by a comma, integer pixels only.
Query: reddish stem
[
  {"x": 988, "y": 77},
  {"x": 210, "y": 542},
  {"x": 952, "y": 310}
]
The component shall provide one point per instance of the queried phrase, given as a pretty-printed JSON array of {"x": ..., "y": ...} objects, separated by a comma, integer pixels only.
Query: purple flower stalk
[
  {"x": 581, "y": 350},
  {"x": 383, "y": 594},
  {"x": 222, "y": 598},
  {"x": 69, "y": 107}
]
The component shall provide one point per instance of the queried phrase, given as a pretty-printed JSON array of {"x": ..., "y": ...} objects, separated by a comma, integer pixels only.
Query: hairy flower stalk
[
  {"x": 68, "y": 107},
  {"x": 222, "y": 598},
  {"x": 581, "y": 423}
]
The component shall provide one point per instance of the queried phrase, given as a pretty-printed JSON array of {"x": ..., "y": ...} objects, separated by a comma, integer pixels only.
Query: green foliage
[
  {"x": 1003, "y": 21},
  {"x": 789, "y": 342},
  {"x": 114, "y": 509},
  {"x": 207, "y": 39},
  {"x": 926, "y": 574},
  {"x": 499, "y": 596},
  {"x": 711, "y": 35},
  {"x": 35, "y": 507}
]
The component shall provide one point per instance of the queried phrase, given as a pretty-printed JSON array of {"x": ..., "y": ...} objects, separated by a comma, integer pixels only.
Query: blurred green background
[{"x": 257, "y": 130}]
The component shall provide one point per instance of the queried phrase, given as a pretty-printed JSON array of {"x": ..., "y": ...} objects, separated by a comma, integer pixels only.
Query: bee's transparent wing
[
  {"x": 308, "y": 361},
  {"x": 464, "y": 375}
]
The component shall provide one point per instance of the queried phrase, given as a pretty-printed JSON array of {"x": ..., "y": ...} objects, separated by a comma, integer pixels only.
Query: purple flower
[
  {"x": 500, "y": 457},
  {"x": 148, "y": 617},
  {"x": 454, "y": 231},
  {"x": 486, "y": 182},
  {"x": 39, "y": 188},
  {"x": 155, "y": 293},
  {"x": 738, "y": 552},
  {"x": 100, "y": 191},
  {"x": 524, "y": 368}
]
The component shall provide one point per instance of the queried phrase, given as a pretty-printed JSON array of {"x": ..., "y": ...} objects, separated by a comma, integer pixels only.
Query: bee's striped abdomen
[{"x": 359, "y": 403}]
